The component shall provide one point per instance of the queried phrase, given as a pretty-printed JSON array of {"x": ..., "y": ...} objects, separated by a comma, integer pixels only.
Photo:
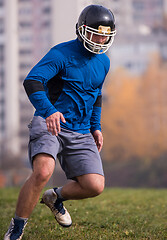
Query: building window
[
  {"x": 138, "y": 5},
  {"x": 46, "y": 24},
  {"x": 2, "y": 83},
  {"x": 158, "y": 3},
  {"x": 46, "y": 10},
  {"x": 26, "y": 39},
  {"x": 1, "y": 3},
  {"x": 25, "y": 51},
  {"x": 2, "y": 114},
  {"x": 1, "y": 26},
  {"x": 25, "y": 65},
  {"x": 25, "y": 11},
  {"x": 24, "y": 0},
  {"x": 1, "y": 53},
  {"x": 25, "y": 24}
]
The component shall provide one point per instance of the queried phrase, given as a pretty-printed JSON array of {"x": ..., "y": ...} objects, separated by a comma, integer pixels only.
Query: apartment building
[
  {"x": 34, "y": 31},
  {"x": 28, "y": 29},
  {"x": 9, "y": 106},
  {"x": 140, "y": 33},
  {"x": 2, "y": 72}
]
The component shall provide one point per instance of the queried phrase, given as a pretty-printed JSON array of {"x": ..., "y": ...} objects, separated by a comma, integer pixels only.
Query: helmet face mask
[
  {"x": 96, "y": 28},
  {"x": 87, "y": 34}
]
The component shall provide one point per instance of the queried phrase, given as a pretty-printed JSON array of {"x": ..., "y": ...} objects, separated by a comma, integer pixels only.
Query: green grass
[{"x": 114, "y": 215}]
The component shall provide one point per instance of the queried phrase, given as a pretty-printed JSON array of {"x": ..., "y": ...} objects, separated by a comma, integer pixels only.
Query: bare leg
[
  {"x": 43, "y": 167},
  {"x": 88, "y": 185}
]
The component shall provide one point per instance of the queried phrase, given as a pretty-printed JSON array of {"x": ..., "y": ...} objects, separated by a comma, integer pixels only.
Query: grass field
[{"x": 115, "y": 215}]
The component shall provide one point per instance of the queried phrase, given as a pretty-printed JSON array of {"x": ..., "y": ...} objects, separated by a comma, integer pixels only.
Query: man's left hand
[{"x": 98, "y": 137}]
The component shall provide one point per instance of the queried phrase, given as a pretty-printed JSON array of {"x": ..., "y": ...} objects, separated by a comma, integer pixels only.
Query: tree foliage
[{"x": 134, "y": 116}]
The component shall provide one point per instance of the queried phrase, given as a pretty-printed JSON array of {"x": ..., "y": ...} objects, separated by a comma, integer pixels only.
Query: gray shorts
[{"x": 77, "y": 153}]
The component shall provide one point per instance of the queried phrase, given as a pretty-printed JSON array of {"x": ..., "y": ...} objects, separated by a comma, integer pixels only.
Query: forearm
[
  {"x": 38, "y": 98},
  {"x": 95, "y": 119},
  {"x": 96, "y": 115}
]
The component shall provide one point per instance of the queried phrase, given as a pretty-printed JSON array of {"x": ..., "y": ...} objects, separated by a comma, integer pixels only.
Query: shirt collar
[{"x": 83, "y": 49}]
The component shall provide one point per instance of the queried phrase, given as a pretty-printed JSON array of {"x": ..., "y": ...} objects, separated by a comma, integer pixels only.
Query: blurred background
[{"x": 134, "y": 115}]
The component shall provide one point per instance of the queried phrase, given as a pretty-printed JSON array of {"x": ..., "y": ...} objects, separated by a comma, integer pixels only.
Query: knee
[
  {"x": 42, "y": 177},
  {"x": 43, "y": 167},
  {"x": 93, "y": 184},
  {"x": 96, "y": 188}
]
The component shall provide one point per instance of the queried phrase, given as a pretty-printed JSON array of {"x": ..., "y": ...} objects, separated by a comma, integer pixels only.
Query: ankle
[
  {"x": 20, "y": 218},
  {"x": 59, "y": 195}
]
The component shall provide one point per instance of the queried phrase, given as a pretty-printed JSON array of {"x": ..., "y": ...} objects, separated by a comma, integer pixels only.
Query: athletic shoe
[
  {"x": 60, "y": 213},
  {"x": 15, "y": 230}
]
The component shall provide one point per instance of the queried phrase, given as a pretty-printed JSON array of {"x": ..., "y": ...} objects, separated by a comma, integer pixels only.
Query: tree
[{"x": 134, "y": 116}]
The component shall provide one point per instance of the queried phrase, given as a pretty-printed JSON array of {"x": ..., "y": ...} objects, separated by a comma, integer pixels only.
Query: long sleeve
[
  {"x": 35, "y": 82},
  {"x": 95, "y": 120}
]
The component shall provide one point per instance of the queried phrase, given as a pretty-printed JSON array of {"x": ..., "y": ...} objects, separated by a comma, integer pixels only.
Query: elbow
[{"x": 32, "y": 86}]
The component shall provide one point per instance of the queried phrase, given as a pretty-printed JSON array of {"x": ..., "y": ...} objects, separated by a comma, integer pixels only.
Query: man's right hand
[{"x": 53, "y": 122}]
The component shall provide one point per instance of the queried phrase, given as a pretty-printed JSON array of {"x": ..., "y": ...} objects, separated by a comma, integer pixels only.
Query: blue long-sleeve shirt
[{"x": 69, "y": 79}]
